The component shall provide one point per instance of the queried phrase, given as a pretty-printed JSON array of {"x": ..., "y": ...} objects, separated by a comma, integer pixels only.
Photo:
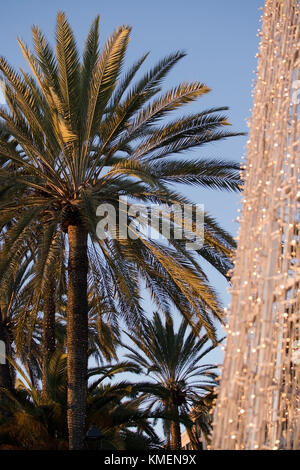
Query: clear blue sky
[{"x": 218, "y": 36}]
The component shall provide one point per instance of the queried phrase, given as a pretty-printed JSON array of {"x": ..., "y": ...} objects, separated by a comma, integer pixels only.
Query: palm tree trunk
[
  {"x": 175, "y": 432},
  {"x": 48, "y": 328},
  {"x": 77, "y": 335}
]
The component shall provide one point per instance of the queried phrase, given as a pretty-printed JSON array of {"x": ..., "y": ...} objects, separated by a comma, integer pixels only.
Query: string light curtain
[{"x": 259, "y": 404}]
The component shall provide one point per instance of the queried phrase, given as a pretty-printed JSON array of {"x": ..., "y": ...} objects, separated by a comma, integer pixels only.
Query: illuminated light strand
[{"x": 258, "y": 406}]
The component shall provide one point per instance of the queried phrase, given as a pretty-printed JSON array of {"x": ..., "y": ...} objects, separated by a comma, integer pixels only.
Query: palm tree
[
  {"x": 85, "y": 138},
  {"x": 14, "y": 298},
  {"x": 46, "y": 283},
  {"x": 7, "y": 297},
  {"x": 38, "y": 421},
  {"x": 173, "y": 361}
]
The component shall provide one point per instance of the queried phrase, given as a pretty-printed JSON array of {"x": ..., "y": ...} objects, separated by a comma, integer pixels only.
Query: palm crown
[
  {"x": 173, "y": 360},
  {"x": 86, "y": 139}
]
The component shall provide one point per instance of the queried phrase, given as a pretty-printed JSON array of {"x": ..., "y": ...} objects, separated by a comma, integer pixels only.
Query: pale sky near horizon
[{"x": 220, "y": 38}]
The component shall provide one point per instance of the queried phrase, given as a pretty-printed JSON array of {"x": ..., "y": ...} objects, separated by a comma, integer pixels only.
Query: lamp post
[{"x": 94, "y": 438}]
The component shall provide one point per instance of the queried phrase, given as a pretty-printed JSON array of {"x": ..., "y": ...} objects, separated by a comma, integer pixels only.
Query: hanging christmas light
[{"x": 259, "y": 400}]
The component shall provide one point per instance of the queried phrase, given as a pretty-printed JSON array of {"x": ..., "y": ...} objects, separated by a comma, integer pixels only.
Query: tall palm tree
[
  {"x": 173, "y": 360},
  {"x": 87, "y": 136}
]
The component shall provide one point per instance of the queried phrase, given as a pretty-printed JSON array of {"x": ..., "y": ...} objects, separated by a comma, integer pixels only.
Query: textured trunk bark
[
  {"x": 77, "y": 335},
  {"x": 48, "y": 329},
  {"x": 175, "y": 432}
]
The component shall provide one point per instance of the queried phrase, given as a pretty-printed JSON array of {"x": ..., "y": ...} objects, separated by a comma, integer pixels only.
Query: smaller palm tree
[
  {"x": 14, "y": 298},
  {"x": 178, "y": 377},
  {"x": 38, "y": 421}
]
